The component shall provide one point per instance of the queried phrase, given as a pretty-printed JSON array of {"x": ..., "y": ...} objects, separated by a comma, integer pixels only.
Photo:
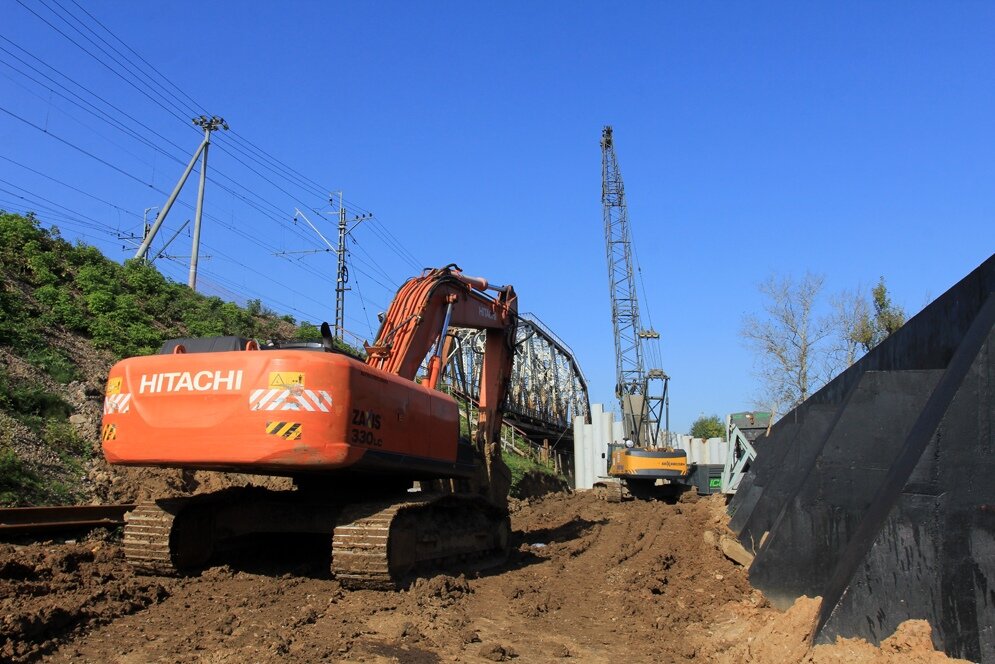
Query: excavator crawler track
[
  {"x": 360, "y": 557},
  {"x": 380, "y": 546},
  {"x": 150, "y": 538},
  {"x": 146, "y": 539}
]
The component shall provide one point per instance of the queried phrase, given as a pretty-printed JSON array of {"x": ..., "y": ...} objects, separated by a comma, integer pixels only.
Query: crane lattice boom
[{"x": 631, "y": 377}]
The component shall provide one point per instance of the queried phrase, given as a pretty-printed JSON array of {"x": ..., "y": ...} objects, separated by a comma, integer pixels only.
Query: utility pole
[
  {"x": 146, "y": 226},
  {"x": 342, "y": 276},
  {"x": 209, "y": 125},
  {"x": 639, "y": 408}
]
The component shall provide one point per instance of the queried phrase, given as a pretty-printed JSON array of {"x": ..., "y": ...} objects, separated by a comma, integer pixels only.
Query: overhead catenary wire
[
  {"x": 279, "y": 167},
  {"x": 139, "y": 56},
  {"x": 92, "y": 224},
  {"x": 50, "y": 209},
  {"x": 175, "y": 107},
  {"x": 99, "y": 113},
  {"x": 389, "y": 239},
  {"x": 271, "y": 170},
  {"x": 75, "y": 147},
  {"x": 90, "y": 128},
  {"x": 69, "y": 186},
  {"x": 130, "y": 176},
  {"x": 275, "y": 163},
  {"x": 102, "y": 115},
  {"x": 99, "y": 60},
  {"x": 232, "y": 228}
]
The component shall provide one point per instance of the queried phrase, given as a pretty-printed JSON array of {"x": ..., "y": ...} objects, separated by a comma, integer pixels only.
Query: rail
[{"x": 64, "y": 517}]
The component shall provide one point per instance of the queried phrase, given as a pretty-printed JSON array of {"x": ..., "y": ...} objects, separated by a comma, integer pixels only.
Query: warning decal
[
  {"x": 293, "y": 399},
  {"x": 108, "y": 432},
  {"x": 285, "y": 379},
  {"x": 286, "y": 430},
  {"x": 117, "y": 403},
  {"x": 114, "y": 386}
]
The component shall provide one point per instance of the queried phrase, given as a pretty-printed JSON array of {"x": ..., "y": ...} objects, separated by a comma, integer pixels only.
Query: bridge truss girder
[{"x": 547, "y": 389}]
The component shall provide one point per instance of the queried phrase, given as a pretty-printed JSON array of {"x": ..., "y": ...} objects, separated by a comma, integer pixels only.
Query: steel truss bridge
[{"x": 547, "y": 388}]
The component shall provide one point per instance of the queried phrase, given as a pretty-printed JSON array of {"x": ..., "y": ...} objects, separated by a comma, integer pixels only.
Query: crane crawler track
[
  {"x": 611, "y": 490},
  {"x": 380, "y": 546}
]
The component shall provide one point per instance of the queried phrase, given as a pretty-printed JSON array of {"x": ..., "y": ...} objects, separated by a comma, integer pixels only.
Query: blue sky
[{"x": 853, "y": 140}]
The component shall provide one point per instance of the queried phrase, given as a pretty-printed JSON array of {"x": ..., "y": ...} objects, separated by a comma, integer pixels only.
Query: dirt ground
[{"x": 587, "y": 581}]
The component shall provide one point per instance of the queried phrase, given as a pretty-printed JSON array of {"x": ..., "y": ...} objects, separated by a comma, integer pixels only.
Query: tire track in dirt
[{"x": 606, "y": 590}]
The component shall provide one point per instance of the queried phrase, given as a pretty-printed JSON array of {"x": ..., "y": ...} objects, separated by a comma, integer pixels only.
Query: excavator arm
[{"x": 416, "y": 326}]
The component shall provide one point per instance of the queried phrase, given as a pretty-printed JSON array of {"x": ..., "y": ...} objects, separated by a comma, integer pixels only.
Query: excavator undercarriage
[{"x": 377, "y": 544}]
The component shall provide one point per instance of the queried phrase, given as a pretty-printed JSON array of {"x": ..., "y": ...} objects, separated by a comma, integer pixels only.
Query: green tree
[
  {"x": 307, "y": 332},
  {"x": 870, "y": 330},
  {"x": 708, "y": 426}
]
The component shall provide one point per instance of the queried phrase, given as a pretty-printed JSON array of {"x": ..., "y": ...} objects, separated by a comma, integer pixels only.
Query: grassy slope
[{"x": 66, "y": 313}]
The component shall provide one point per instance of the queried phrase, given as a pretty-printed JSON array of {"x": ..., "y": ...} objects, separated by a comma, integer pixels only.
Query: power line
[
  {"x": 52, "y": 207},
  {"x": 247, "y": 236},
  {"x": 240, "y": 145},
  {"x": 274, "y": 164},
  {"x": 197, "y": 107},
  {"x": 51, "y": 210},
  {"x": 102, "y": 115},
  {"x": 75, "y": 147},
  {"x": 150, "y": 144},
  {"x": 89, "y": 107},
  {"x": 269, "y": 161},
  {"x": 102, "y": 62},
  {"x": 66, "y": 113},
  {"x": 124, "y": 63},
  {"x": 139, "y": 56},
  {"x": 69, "y": 186}
]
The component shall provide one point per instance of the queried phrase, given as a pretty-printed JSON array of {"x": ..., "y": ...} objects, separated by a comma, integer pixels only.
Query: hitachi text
[{"x": 186, "y": 381}]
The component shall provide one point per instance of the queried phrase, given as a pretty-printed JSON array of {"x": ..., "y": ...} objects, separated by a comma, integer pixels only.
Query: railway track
[{"x": 18, "y": 520}]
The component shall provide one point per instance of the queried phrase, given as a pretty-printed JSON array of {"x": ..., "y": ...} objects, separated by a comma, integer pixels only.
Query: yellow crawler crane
[{"x": 644, "y": 473}]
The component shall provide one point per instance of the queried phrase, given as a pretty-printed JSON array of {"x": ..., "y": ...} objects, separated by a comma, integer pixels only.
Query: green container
[{"x": 707, "y": 478}]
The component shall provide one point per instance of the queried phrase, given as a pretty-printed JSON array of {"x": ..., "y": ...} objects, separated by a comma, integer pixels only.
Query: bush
[
  {"x": 708, "y": 426},
  {"x": 61, "y": 436},
  {"x": 307, "y": 332},
  {"x": 31, "y": 404},
  {"x": 520, "y": 467},
  {"x": 54, "y": 363},
  {"x": 19, "y": 485},
  {"x": 62, "y": 308}
]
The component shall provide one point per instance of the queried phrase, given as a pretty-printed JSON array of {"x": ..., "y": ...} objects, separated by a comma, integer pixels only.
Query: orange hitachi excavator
[{"x": 376, "y": 455}]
